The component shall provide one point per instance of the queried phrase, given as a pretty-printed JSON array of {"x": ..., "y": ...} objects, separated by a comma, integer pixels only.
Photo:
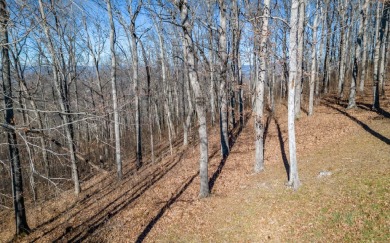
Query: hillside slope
[{"x": 159, "y": 203}]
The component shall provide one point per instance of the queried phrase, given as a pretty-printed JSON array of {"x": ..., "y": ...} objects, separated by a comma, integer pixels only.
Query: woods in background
[{"x": 89, "y": 85}]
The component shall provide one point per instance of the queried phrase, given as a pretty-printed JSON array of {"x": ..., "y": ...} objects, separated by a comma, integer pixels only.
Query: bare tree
[
  {"x": 222, "y": 75},
  {"x": 61, "y": 88},
  {"x": 114, "y": 91},
  {"x": 259, "y": 100},
  {"x": 16, "y": 171},
  {"x": 190, "y": 59},
  {"x": 314, "y": 60},
  {"x": 301, "y": 32},
  {"x": 293, "y": 175}
]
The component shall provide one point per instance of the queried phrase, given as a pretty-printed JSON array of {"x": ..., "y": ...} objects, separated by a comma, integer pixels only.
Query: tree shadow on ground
[
  {"x": 361, "y": 105},
  {"x": 283, "y": 151},
  {"x": 172, "y": 200},
  {"x": 234, "y": 134},
  {"x": 106, "y": 210},
  {"x": 360, "y": 123}
]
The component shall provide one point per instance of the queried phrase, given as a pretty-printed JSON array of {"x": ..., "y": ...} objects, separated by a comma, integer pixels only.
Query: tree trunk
[
  {"x": 366, "y": 8},
  {"x": 134, "y": 51},
  {"x": 16, "y": 170},
  {"x": 379, "y": 36},
  {"x": 114, "y": 92},
  {"x": 384, "y": 45},
  {"x": 343, "y": 49},
  {"x": 223, "y": 60},
  {"x": 355, "y": 69},
  {"x": 293, "y": 173},
  {"x": 314, "y": 62},
  {"x": 298, "y": 84},
  {"x": 259, "y": 102},
  {"x": 200, "y": 103},
  {"x": 62, "y": 96}
]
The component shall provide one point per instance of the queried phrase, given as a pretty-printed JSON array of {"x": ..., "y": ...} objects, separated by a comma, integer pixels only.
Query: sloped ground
[
  {"x": 159, "y": 203},
  {"x": 352, "y": 204}
]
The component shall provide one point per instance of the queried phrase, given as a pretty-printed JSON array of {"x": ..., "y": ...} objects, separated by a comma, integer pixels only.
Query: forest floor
[{"x": 344, "y": 167}]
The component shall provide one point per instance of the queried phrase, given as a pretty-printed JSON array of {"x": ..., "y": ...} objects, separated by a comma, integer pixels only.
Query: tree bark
[
  {"x": 379, "y": 36},
  {"x": 356, "y": 60},
  {"x": 314, "y": 62},
  {"x": 200, "y": 103},
  {"x": 16, "y": 170},
  {"x": 293, "y": 173},
  {"x": 223, "y": 60},
  {"x": 298, "y": 84},
  {"x": 259, "y": 102},
  {"x": 114, "y": 92},
  {"x": 343, "y": 49},
  {"x": 384, "y": 44},
  {"x": 365, "y": 10},
  {"x": 60, "y": 85},
  {"x": 134, "y": 51}
]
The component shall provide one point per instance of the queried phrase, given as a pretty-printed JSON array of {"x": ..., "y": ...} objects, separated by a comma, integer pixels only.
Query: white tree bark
[
  {"x": 298, "y": 84},
  {"x": 365, "y": 10},
  {"x": 376, "y": 56},
  {"x": 344, "y": 46},
  {"x": 293, "y": 173},
  {"x": 200, "y": 103},
  {"x": 259, "y": 100},
  {"x": 223, "y": 61},
  {"x": 314, "y": 61},
  {"x": 114, "y": 92}
]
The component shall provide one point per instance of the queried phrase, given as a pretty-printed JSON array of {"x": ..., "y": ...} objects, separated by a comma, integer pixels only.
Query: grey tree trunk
[
  {"x": 134, "y": 51},
  {"x": 16, "y": 170},
  {"x": 325, "y": 80},
  {"x": 378, "y": 41},
  {"x": 365, "y": 10},
  {"x": 298, "y": 84},
  {"x": 344, "y": 46},
  {"x": 236, "y": 39},
  {"x": 200, "y": 103},
  {"x": 223, "y": 60},
  {"x": 114, "y": 92},
  {"x": 259, "y": 100},
  {"x": 62, "y": 96},
  {"x": 356, "y": 60},
  {"x": 384, "y": 44},
  {"x": 314, "y": 61},
  {"x": 171, "y": 130},
  {"x": 211, "y": 62},
  {"x": 293, "y": 173}
]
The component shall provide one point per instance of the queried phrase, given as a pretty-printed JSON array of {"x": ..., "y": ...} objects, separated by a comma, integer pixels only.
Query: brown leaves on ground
[{"x": 159, "y": 203}]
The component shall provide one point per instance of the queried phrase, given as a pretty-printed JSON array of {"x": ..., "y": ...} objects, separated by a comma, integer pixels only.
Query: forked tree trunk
[
  {"x": 355, "y": 68},
  {"x": 200, "y": 103},
  {"x": 60, "y": 87},
  {"x": 16, "y": 170},
  {"x": 134, "y": 51}
]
